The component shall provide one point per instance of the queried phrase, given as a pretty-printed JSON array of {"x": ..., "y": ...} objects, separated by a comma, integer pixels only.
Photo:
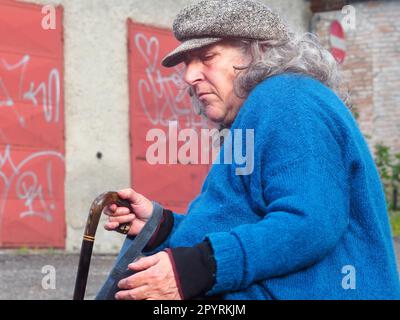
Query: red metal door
[
  {"x": 31, "y": 128},
  {"x": 155, "y": 99}
]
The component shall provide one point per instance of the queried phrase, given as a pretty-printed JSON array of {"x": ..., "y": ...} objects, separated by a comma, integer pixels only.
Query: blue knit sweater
[{"x": 311, "y": 217}]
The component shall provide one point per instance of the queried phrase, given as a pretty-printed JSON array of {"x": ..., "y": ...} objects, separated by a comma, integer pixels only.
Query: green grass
[
  {"x": 22, "y": 250},
  {"x": 395, "y": 222},
  {"x": 25, "y": 250}
]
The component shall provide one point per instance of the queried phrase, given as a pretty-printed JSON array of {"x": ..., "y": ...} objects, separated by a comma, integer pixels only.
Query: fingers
[
  {"x": 122, "y": 219},
  {"x": 155, "y": 282},
  {"x": 137, "y": 280},
  {"x": 144, "y": 263},
  {"x": 114, "y": 222},
  {"x": 114, "y": 210},
  {"x": 140, "y": 279},
  {"x": 140, "y": 293},
  {"x": 129, "y": 194},
  {"x": 110, "y": 226},
  {"x": 130, "y": 283}
]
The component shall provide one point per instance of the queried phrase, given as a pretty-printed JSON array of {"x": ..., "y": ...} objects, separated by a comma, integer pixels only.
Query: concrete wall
[{"x": 97, "y": 97}]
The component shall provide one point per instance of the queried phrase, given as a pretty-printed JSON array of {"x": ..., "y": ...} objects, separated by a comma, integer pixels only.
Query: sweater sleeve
[{"x": 304, "y": 188}]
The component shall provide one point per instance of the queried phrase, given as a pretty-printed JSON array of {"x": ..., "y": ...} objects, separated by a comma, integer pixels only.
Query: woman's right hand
[{"x": 142, "y": 210}]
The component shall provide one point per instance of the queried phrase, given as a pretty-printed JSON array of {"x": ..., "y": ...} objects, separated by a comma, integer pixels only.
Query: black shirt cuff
[
  {"x": 195, "y": 269},
  {"x": 162, "y": 232}
]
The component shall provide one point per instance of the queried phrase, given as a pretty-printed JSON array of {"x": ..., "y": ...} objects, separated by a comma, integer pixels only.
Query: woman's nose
[{"x": 193, "y": 73}]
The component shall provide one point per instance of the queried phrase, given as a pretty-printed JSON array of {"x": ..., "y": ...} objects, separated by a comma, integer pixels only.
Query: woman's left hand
[{"x": 154, "y": 280}]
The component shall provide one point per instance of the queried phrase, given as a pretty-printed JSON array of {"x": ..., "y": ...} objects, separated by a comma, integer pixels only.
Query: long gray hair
[{"x": 302, "y": 54}]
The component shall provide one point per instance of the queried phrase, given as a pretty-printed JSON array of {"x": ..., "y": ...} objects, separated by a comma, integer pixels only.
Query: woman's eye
[{"x": 207, "y": 57}]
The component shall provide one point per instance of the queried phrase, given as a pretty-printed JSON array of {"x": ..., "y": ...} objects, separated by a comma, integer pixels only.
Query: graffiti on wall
[
  {"x": 163, "y": 97},
  {"x": 31, "y": 129}
]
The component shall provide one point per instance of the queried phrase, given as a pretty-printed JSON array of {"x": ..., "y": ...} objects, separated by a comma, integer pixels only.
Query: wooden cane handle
[{"x": 97, "y": 207}]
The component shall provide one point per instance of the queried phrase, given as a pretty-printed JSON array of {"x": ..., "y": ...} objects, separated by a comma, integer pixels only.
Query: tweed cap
[{"x": 209, "y": 21}]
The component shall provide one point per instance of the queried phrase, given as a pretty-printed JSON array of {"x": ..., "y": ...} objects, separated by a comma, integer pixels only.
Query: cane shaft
[{"x": 83, "y": 269}]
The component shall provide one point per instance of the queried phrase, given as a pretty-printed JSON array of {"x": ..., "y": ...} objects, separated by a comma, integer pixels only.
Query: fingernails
[
  {"x": 122, "y": 192},
  {"x": 133, "y": 263}
]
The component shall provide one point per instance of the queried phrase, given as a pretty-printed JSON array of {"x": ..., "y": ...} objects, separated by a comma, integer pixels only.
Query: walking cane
[
  {"x": 120, "y": 270},
  {"x": 103, "y": 200}
]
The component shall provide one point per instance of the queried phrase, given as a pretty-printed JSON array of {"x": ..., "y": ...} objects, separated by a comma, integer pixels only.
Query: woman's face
[{"x": 210, "y": 71}]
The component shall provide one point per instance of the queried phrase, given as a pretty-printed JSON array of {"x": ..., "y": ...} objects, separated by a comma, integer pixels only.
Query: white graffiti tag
[
  {"x": 163, "y": 99},
  {"x": 28, "y": 186},
  {"x": 44, "y": 95}
]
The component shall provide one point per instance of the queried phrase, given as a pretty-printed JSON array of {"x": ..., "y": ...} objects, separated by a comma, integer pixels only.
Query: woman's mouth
[{"x": 203, "y": 94}]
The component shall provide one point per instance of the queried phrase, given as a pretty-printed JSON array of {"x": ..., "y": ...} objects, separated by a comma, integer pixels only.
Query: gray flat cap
[{"x": 209, "y": 21}]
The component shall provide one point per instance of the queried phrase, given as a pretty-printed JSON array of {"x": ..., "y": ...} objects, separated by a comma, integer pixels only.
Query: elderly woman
[{"x": 310, "y": 221}]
